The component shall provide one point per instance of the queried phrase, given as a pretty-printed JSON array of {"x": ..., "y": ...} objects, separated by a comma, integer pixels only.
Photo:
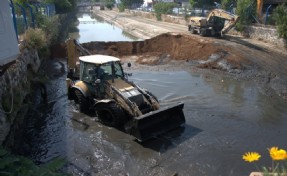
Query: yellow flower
[
  {"x": 277, "y": 154},
  {"x": 251, "y": 156}
]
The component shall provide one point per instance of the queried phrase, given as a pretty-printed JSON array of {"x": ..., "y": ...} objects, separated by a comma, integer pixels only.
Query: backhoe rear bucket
[{"x": 157, "y": 122}]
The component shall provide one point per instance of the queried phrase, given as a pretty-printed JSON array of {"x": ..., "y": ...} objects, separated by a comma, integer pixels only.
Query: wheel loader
[
  {"x": 217, "y": 23},
  {"x": 98, "y": 83}
]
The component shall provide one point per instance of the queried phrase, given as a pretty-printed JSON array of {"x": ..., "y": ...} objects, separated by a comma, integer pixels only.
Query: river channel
[{"x": 224, "y": 119}]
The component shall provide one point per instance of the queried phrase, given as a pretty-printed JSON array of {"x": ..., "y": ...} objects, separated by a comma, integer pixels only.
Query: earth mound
[{"x": 173, "y": 46}]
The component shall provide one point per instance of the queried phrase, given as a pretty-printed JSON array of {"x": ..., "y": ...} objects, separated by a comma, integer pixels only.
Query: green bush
[
  {"x": 246, "y": 10},
  {"x": 121, "y": 7},
  {"x": 280, "y": 16},
  {"x": 163, "y": 8}
]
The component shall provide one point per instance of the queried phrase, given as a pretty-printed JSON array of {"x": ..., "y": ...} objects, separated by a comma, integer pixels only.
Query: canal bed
[{"x": 224, "y": 119}]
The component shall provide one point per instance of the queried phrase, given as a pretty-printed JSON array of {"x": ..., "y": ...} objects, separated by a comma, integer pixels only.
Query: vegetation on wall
[
  {"x": 12, "y": 165},
  {"x": 280, "y": 17},
  {"x": 62, "y": 6},
  {"x": 35, "y": 38},
  {"x": 163, "y": 8}
]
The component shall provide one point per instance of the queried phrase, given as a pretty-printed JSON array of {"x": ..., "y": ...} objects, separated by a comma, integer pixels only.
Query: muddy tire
[
  {"x": 202, "y": 32},
  {"x": 111, "y": 114},
  {"x": 82, "y": 101}
]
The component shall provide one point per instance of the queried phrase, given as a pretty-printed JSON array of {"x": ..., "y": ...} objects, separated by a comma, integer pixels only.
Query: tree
[
  {"x": 109, "y": 3},
  {"x": 163, "y": 8},
  {"x": 280, "y": 16},
  {"x": 130, "y": 3},
  {"x": 203, "y": 4},
  {"x": 246, "y": 11},
  {"x": 63, "y": 6},
  {"x": 227, "y": 4}
]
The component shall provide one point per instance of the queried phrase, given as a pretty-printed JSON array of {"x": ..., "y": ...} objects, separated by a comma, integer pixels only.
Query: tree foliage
[
  {"x": 63, "y": 6},
  {"x": 246, "y": 10},
  {"x": 227, "y": 4},
  {"x": 203, "y": 4},
  {"x": 280, "y": 16},
  {"x": 130, "y": 3},
  {"x": 163, "y": 8}
]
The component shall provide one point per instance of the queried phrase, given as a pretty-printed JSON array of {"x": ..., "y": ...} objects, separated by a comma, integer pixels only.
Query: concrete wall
[{"x": 17, "y": 80}]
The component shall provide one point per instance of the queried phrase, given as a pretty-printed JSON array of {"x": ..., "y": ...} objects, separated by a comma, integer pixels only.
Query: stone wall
[
  {"x": 264, "y": 33},
  {"x": 15, "y": 85}
]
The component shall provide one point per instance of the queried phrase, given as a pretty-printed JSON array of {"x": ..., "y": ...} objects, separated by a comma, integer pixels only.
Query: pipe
[{"x": 266, "y": 16}]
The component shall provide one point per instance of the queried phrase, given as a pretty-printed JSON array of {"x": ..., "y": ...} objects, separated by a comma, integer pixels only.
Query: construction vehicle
[
  {"x": 218, "y": 22},
  {"x": 98, "y": 84}
]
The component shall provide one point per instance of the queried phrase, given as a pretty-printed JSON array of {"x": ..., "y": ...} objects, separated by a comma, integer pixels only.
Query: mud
[{"x": 223, "y": 119}]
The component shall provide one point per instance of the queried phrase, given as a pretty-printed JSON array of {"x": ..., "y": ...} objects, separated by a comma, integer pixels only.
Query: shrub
[
  {"x": 280, "y": 16},
  {"x": 121, "y": 7},
  {"x": 163, "y": 8},
  {"x": 246, "y": 11},
  {"x": 35, "y": 38}
]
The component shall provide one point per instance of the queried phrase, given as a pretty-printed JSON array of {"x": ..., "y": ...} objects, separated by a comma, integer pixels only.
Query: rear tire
[
  {"x": 82, "y": 101},
  {"x": 111, "y": 114}
]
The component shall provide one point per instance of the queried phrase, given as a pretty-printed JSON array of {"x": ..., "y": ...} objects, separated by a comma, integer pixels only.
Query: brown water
[{"x": 224, "y": 119}]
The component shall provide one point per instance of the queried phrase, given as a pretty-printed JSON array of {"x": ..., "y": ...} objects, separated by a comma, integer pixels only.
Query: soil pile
[{"x": 172, "y": 46}]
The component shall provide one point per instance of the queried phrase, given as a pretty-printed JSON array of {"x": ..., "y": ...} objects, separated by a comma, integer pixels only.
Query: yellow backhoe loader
[
  {"x": 98, "y": 83},
  {"x": 218, "y": 22}
]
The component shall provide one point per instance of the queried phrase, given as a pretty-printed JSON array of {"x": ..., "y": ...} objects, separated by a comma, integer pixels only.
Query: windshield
[{"x": 106, "y": 71}]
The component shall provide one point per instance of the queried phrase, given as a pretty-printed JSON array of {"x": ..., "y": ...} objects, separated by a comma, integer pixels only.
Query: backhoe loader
[
  {"x": 98, "y": 83},
  {"x": 218, "y": 22}
]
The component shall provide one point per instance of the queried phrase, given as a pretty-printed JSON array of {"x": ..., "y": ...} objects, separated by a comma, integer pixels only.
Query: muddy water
[{"x": 224, "y": 119}]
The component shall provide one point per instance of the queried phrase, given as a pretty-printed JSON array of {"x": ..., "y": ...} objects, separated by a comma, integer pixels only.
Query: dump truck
[
  {"x": 217, "y": 23},
  {"x": 98, "y": 83}
]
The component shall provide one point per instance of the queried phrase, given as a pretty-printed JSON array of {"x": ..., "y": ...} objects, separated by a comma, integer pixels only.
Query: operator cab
[{"x": 100, "y": 67}]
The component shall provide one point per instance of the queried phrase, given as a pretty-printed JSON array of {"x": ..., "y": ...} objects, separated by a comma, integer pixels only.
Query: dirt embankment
[
  {"x": 173, "y": 46},
  {"x": 239, "y": 59}
]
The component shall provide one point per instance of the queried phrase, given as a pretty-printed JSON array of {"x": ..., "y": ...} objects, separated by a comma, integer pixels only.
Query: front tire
[{"x": 111, "y": 114}]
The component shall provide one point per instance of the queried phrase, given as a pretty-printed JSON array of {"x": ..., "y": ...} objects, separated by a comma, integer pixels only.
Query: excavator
[
  {"x": 99, "y": 84},
  {"x": 218, "y": 22}
]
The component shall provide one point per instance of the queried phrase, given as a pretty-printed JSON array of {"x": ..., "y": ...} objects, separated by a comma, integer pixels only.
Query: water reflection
[{"x": 94, "y": 28}]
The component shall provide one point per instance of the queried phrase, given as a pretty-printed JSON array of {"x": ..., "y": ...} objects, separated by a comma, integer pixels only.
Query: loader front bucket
[{"x": 157, "y": 122}]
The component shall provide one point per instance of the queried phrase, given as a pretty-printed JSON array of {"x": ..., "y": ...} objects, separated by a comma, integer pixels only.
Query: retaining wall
[
  {"x": 264, "y": 33},
  {"x": 15, "y": 85}
]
